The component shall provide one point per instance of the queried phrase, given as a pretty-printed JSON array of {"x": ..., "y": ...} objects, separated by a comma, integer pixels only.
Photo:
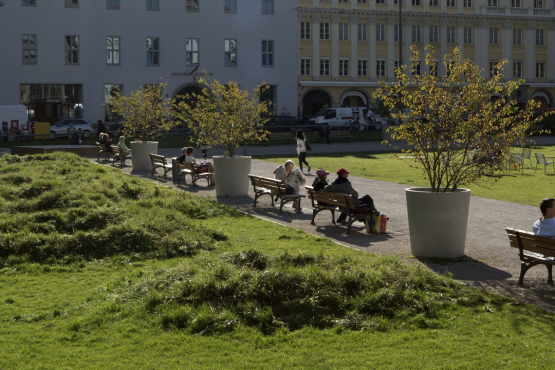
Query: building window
[
  {"x": 29, "y": 49},
  {"x": 451, "y": 3},
  {"x": 516, "y": 3},
  {"x": 380, "y": 1},
  {"x": 28, "y": 2},
  {"x": 153, "y": 5},
  {"x": 540, "y": 37},
  {"x": 305, "y": 66},
  {"x": 396, "y": 64},
  {"x": 343, "y": 31},
  {"x": 416, "y": 68},
  {"x": 191, "y": 47},
  {"x": 434, "y": 3},
  {"x": 305, "y": 30},
  {"x": 434, "y": 34},
  {"x": 493, "y": 3},
  {"x": 380, "y": 32},
  {"x": 362, "y": 1},
  {"x": 112, "y": 4},
  {"x": 324, "y": 31},
  {"x": 538, "y": 4},
  {"x": 468, "y": 35},
  {"x": 396, "y": 2},
  {"x": 517, "y": 36},
  {"x": 540, "y": 69},
  {"x": 192, "y": 6},
  {"x": 396, "y": 33},
  {"x": 72, "y": 3},
  {"x": 230, "y": 6},
  {"x": 230, "y": 49},
  {"x": 517, "y": 69},
  {"x": 493, "y": 68},
  {"x": 72, "y": 49},
  {"x": 267, "y": 6},
  {"x": 362, "y": 31},
  {"x": 416, "y": 34},
  {"x": 324, "y": 66},
  {"x": 451, "y": 36},
  {"x": 152, "y": 51},
  {"x": 109, "y": 92},
  {"x": 467, "y": 3},
  {"x": 380, "y": 68},
  {"x": 344, "y": 66},
  {"x": 112, "y": 50},
  {"x": 494, "y": 36},
  {"x": 434, "y": 68},
  {"x": 416, "y": 2},
  {"x": 267, "y": 53},
  {"x": 363, "y": 67}
]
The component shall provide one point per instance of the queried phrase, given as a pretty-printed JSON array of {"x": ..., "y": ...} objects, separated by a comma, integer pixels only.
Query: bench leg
[
  {"x": 314, "y": 212},
  {"x": 153, "y": 169},
  {"x": 549, "y": 274},
  {"x": 281, "y": 203},
  {"x": 299, "y": 204}
]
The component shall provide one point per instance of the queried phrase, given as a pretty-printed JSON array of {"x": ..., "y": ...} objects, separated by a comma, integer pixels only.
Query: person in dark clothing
[
  {"x": 76, "y": 138},
  {"x": 325, "y": 132},
  {"x": 100, "y": 128},
  {"x": 105, "y": 139},
  {"x": 343, "y": 185},
  {"x": 321, "y": 180}
]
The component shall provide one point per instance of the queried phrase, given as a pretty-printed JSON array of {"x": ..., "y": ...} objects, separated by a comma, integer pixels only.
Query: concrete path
[{"x": 489, "y": 262}]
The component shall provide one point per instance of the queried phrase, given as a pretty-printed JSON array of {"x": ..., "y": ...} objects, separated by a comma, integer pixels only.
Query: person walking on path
[
  {"x": 545, "y": 226},
  {"x": 325, "y": 132},
  {"x": 301, "y": 150},
  {"x": 100, "y": 128}
]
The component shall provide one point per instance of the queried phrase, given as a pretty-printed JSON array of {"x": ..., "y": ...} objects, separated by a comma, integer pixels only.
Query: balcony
[{"x": 505, "y": 10}]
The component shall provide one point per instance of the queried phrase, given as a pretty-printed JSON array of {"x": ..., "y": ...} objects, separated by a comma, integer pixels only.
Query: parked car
[
  {"x": 60, "y": 127},
  {"x": 282, "y": 123},
  {"x": 335, "y": 117}
]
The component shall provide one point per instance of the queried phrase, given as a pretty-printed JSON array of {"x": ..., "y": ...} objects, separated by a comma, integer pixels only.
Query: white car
[{"x": 59, "y": 129}]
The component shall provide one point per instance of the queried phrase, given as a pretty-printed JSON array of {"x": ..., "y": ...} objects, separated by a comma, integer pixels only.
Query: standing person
[
  {"x": 545, "y": 226},
  {"x": 301, "y": 150},
  {"x": 76, "y": 137},
  {"x": 187, "y": 157},
  {"x": 100, "y": 128},
  {"x": 325, "y": 132}
]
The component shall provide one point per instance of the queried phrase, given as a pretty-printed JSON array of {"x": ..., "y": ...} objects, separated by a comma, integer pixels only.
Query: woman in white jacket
[{"x": 301, "y": 150}]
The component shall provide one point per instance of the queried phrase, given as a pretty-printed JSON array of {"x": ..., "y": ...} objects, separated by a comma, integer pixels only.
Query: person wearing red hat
[
  {"x": 343, "y": 185},
  {"x": 321, "y": 180}
]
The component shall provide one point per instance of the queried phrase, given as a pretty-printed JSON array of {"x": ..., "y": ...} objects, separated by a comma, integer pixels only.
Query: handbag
[
  {"x": 308, "y": 147},
  {"x": 201, "y": 169}
]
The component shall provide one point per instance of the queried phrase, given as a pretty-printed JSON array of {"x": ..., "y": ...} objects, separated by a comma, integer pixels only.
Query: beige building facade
[{"x": 346, "y": 47}]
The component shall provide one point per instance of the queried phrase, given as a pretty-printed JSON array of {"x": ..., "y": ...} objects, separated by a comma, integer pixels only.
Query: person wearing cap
[
  {"x": 320, "y": 181},
  {"x": 343, "y": 185}
]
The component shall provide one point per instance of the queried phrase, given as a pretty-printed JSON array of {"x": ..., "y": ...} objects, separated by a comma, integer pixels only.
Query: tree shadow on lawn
[{"x": 483, "y": 276}]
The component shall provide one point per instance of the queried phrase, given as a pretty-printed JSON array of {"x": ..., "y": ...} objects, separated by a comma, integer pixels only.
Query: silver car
[{"x": 59, "y": 129}]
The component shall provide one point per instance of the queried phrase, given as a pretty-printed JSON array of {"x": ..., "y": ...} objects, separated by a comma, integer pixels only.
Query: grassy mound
[{"x": 60, "y": 207}]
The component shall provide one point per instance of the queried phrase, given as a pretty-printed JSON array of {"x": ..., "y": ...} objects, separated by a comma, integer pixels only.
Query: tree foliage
[
  {"x": 460, "y": 126},
  {"x": 145, "y": 113},
  {"x": 224, "y": 115}
]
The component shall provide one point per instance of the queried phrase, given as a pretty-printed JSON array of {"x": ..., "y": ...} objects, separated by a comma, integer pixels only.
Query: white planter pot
[
  {"x": 140, "y": 154},
  {"x": 437, "y": 222},
  {"x": 231, "y": 174}
]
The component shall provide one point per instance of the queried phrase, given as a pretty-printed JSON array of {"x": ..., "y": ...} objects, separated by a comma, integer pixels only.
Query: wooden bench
[
  {"x": 191, "y": 169},
  {"x": 273, "y": 188},
  {"x": 159, "y": 161},
  {"x": 533, "y": 250},
  {"x": 102, "y": 150},
  {"x": 340, "y": 202},
  {"x": 338, "y": 134},
  {"x": 288, "y": 136},
  {"x": 117, "y": 154}
]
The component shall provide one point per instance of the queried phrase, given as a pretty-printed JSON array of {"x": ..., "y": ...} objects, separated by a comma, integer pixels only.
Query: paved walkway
[{"x": 489, "y": 262}]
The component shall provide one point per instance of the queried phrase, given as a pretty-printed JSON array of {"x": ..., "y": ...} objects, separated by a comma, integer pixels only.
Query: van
[
  {"x": 334, "y": 117},
  {"x": 13, "y": 117}
]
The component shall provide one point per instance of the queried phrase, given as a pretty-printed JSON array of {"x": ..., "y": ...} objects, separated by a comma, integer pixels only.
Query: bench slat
[{"x": 529, "y": 246}]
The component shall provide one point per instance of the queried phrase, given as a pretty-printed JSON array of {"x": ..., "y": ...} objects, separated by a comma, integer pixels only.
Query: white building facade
[{"x": 65, "y": 56}]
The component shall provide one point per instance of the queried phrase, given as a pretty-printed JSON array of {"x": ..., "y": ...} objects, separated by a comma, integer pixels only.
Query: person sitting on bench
[
  {"x": 545, "y": 226},
  {"x": 105, "y": 139},
  {"x": 363, "y": 205},
  {"x": 187, "y": 157},
  {"x": 292, "y": 177},
  {"x": 123, "y": 150}
]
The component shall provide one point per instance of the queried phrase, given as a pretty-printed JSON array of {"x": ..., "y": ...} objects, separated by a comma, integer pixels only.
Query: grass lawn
[
  {"x": 527, "y": 188},
  {"x": 99, "y": 269}
]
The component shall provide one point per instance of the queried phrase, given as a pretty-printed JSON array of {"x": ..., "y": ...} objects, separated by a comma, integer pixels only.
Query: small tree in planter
[
  {"x": 459, "y": 127},
  {"x": 145, "y": 116},
  {"x": 224, "y": 116}
]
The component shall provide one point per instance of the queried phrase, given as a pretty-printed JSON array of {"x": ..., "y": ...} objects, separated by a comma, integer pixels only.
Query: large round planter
[
  {"x": 231, "y": 174},
  {"x": 437, "y": 222},
  {"x": 140, "y": 154}
]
